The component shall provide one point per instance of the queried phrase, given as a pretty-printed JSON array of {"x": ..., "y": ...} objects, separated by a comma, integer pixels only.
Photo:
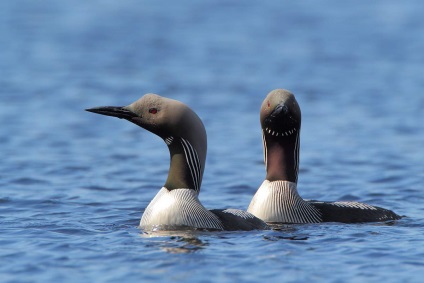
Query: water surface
[{"x": 74, "y": 185}]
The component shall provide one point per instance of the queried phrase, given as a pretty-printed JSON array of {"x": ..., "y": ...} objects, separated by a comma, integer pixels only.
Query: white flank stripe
[
  {"x": 241, "y": 213},
  {"x": 353, "y": 204}
]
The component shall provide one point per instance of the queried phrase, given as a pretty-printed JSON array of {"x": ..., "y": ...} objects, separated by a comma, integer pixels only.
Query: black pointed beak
[
  {"x": 114, "y": 111},
  {"x": 277, "y": 115},
  {"x": 282, "y": 118},
  {"x": 280, "y": 110}
]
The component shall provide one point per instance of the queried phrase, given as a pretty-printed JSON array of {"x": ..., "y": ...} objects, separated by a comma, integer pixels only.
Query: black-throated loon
[
  {"x": 176, "y": 206},
  {"x": 277, "y": 199}
]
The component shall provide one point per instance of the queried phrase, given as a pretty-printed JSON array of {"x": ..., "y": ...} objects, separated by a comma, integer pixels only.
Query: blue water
[{"x": 74, "y": 185}]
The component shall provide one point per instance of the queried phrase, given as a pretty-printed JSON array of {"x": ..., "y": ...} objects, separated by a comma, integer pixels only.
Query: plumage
[
  {"x": 176, "y": 206},
  {"x": 277, "y": 199}
]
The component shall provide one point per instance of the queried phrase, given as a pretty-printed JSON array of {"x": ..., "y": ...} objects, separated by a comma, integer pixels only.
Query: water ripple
[{"x": 74, "y": 185}]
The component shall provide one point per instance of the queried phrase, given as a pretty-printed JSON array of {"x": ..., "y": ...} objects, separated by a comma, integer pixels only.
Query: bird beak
[
  {"x": 277, "y": 114},
  {"x": 114, "y": 111},
  {"x": 281, "y": 109}
]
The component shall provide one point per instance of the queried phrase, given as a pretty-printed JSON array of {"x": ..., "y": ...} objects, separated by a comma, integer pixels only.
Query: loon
[
  {"x": 277, "y": 199},
  {"x": 176, "y": 206}
]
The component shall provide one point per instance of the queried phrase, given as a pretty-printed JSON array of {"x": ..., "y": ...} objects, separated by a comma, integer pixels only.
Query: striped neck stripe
[
  {"x": 193, "y": 163},
  {"x": 296, "y": 155},
  {"x": 169, "y": 140}
]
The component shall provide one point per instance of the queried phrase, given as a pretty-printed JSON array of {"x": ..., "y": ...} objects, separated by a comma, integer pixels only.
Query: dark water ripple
[{"x": 74, "y": 186}]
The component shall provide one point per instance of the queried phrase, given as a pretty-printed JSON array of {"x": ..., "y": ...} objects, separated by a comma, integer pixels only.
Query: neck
[
  {"x": 282, "y": 157},
  {"x": 186, "y": 169}
]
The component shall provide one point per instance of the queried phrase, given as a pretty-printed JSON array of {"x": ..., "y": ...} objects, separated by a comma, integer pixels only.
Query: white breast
[
  {"x": 280, "y": 202},
  {"x": 176, "y": 208}
]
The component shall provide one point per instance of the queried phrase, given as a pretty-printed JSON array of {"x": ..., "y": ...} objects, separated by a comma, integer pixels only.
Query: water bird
[
  {"x": 176, "y": 206},
  {"x": 277, "y": 199}
]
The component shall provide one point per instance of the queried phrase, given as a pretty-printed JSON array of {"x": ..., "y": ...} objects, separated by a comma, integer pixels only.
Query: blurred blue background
[{"x": 74, "y": 185}]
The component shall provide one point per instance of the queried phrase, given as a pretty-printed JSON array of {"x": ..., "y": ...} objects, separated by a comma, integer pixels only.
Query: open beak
[{"x": 114, "y": 111}]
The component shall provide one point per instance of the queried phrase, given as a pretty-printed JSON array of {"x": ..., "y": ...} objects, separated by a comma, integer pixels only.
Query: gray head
[
  {"x": 280, "y": 114},
  {"x": 178, "y": 126},
  {"x": 280, "y": 119}
]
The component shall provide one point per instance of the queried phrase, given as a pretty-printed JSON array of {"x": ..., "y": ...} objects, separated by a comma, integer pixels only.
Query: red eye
[
  {"x": 269, "y": 104},
  {"x": 153, "y": 110}
]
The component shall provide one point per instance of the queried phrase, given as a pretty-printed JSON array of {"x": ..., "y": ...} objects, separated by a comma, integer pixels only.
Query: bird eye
[
  {"x": 269, "y": 104},
  {"x": 153, "y": 110}
]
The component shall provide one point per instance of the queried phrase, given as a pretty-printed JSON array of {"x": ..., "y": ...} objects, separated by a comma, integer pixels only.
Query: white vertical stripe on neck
[
  {"x": 193, "y": 163},
  {"x": 265, "y": 150},
  {"x": 296, "y": 155}
]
